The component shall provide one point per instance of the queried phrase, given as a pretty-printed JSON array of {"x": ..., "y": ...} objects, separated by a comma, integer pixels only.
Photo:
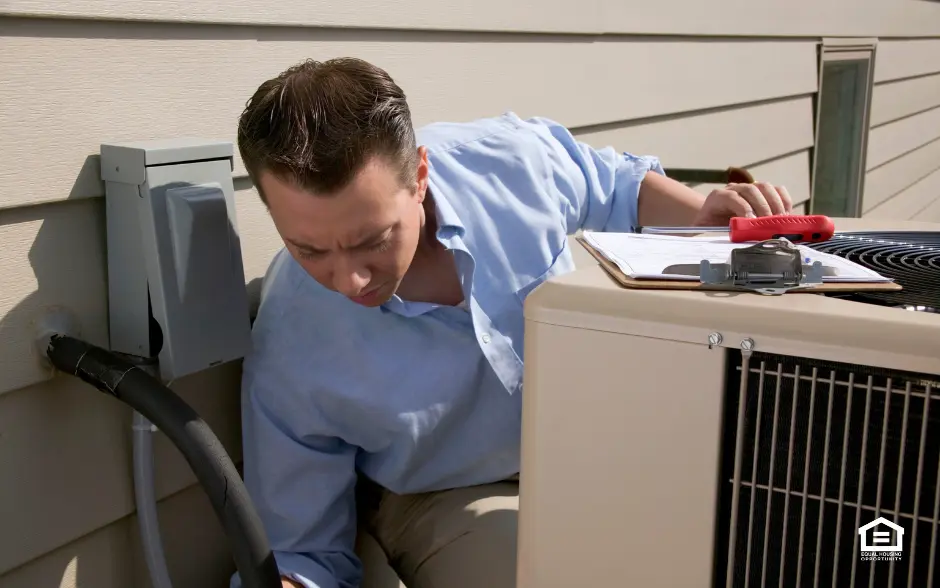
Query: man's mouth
[{"x": 368, "y": 297}]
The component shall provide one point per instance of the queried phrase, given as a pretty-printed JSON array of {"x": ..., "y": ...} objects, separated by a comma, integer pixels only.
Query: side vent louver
[{"x": 812, "y": 452}]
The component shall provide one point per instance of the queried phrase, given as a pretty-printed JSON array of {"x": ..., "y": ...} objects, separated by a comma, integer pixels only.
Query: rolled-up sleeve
[
  {"x": 598, "y": 189},
  {"x": 302, "y": 483}
]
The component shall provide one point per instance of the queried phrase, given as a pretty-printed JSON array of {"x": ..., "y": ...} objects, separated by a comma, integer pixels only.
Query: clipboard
[{"x": 648, "y": 284}]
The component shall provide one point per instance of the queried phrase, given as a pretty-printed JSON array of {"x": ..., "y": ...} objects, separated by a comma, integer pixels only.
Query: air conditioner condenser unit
[{"x": 684, "y": 439}]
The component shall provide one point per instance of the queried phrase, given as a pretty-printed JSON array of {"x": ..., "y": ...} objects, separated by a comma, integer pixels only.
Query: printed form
[{"x": 642, "y": 256}]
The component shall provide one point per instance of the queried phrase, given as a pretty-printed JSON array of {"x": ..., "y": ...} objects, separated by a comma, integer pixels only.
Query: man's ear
[{"x": 422, "y": 173}]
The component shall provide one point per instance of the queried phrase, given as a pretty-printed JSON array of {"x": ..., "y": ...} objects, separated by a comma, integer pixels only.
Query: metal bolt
[
  {"x": 747, "y": 344},
  {"x": 714, "y": 339}
]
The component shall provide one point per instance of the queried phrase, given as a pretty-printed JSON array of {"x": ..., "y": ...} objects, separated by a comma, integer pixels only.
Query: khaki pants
[{"x": 462, "y": 538}]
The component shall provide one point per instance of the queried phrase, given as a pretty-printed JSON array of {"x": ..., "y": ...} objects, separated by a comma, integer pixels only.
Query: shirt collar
[{"x": 450, "y": 229}]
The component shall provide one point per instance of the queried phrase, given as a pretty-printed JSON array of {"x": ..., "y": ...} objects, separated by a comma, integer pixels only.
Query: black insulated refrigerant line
[{"x": 192, "y": 437}]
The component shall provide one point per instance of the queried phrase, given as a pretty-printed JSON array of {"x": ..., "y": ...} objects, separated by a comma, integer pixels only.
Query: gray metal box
[{"x": 176, "y": 282}]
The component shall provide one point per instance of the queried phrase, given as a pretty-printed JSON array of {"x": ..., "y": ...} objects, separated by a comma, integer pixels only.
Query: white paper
[{"x": 644, "y": 256}]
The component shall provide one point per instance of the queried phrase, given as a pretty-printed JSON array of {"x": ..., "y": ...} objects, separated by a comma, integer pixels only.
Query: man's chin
[{"x": 372, "y": 303}]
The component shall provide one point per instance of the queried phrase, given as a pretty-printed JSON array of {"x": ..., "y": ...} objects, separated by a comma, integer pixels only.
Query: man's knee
[
  {"x": 462, "y": 538},
  {"x": 377, "y": 573},
  {"x": 484, "y": 556}
]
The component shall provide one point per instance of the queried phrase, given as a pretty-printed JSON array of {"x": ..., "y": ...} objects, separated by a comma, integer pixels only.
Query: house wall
[
  {"x": 903, "y": 164},
  {"x": 76, "y": 73}
]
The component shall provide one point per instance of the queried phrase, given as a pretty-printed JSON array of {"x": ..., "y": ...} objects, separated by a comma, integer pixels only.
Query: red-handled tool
[
  {"x": 796, "y": 228},
  {"x": 805, "y": 228}
]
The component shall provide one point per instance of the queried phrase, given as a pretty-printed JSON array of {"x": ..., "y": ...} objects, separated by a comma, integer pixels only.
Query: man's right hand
[{"x": 285, "y": 583}]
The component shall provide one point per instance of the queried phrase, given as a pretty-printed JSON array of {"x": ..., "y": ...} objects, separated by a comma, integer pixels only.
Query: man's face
[{"x": 358, "y": 241}]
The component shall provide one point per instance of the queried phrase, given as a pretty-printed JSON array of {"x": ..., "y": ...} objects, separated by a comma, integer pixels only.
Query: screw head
[
  {"x": 714, "y": 338},
  {"x": 747, "y": 344}
]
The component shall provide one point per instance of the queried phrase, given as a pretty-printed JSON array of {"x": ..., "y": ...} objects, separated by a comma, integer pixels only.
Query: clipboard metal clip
[{"x": 770, "y": 267}]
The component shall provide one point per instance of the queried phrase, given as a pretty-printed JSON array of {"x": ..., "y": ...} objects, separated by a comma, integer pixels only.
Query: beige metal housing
[{"x": 622, "y": 417}]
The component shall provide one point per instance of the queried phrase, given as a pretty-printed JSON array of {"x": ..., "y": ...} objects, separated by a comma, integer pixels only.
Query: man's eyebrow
[
  {"x": 304, "y": 246},
  {"x": 371, "y": 238}
]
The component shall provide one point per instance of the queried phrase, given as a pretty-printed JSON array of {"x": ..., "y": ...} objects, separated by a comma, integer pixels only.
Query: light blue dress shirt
[{"x": 418, "y": 396}]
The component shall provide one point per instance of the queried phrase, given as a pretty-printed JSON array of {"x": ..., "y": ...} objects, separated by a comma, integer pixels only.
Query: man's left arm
[
  {"x": 606, "y": 190},
  {"x": 664, "y": 202}
]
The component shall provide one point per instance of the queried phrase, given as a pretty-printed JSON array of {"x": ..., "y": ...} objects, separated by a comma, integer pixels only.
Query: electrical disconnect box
[{"x": 176, "y": 282}]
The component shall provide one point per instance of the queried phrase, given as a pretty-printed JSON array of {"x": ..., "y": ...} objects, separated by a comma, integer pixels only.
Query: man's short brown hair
[{"x": 317, "y": 123}]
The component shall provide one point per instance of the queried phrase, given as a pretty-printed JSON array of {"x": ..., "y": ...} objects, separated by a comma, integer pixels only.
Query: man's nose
[{"x": 349, "y": 278}]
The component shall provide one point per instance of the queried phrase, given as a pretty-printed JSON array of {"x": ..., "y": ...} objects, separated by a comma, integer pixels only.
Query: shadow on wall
[
  {"x": 61, "y": 441},
  {"x": 88, "y": 184},
  {"x": 68, "y": 268}
]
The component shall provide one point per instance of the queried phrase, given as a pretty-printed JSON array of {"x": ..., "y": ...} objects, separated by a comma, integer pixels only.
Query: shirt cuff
[
  {"x": 299, "y": 579},
  {"x": 297, "y": 568},
  {"x": 639, "y": 166}
]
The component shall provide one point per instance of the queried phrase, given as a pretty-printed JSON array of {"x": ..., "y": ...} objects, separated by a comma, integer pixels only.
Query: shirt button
[{"x": 485, "y": 338}]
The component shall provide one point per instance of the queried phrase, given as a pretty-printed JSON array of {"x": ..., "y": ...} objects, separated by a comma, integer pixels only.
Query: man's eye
[
  {"x": 380, "y": 246},
  {"x": 307, "y": 254}
]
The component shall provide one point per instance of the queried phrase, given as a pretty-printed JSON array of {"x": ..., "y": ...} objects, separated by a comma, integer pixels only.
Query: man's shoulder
[
  {"x": 527, "y": 155},
  {"x": 294, "y": 309},
  {"x": 508, "y": 127},
  {"x": 278, "y": 287},
  {"x": 444, "y": 135}
]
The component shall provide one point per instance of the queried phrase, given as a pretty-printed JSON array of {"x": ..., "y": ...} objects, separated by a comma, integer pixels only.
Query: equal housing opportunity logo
[{"x": 881, "y": 540}]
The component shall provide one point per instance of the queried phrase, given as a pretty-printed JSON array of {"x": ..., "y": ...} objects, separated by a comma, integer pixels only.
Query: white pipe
[
  {"x": 62, "y": 321},
  {"x": 147, "y": 502}
]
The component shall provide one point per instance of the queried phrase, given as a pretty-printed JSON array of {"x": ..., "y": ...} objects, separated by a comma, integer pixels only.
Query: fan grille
[{"x": 912, "y": 259}]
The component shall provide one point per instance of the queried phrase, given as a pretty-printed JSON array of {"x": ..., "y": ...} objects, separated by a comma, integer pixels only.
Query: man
[{"x": 384, "y": 388}]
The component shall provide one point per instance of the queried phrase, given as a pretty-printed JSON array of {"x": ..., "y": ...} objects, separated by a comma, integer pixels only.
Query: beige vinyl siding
[
  {"x": 111, "y": 556},
  {"x": 717, "y": 139},
  {"x": 901, "y": 137},
  {"x": 774, "y": 18},
  {"x": 72, "y": 459},
  {"x": 73, "y": 82},
  {"x": 667, "y": 17},
  {"x": 904, "y": 142},
  {"x": 194, "y": 81},
  {"x": 484, "y": 15},
  {"x": 887, "y": 180},
  {"x": 932, "y": 212},
  {"x": 898, "y": 99},
  {"x": 906, "y": 58},
  {"x": 913, "y": 203}
]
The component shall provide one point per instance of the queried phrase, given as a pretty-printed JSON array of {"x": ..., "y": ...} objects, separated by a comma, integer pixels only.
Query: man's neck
[{"x": 432, "y": 276}]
